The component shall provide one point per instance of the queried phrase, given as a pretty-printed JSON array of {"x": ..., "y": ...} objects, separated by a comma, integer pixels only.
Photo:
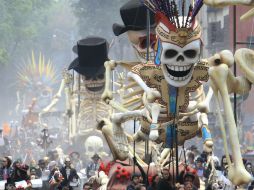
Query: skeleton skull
[
  {"x": 94, "y": 85},
  {"x": 178, "y": 50},
  {"x": 178, "y": 63},
  {"x": 94, "y": 144},
  {"x": 138, "y": 40}
]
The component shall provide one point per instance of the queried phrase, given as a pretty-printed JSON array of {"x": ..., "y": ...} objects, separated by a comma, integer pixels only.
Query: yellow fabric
[{"x": 154, "y": 78}]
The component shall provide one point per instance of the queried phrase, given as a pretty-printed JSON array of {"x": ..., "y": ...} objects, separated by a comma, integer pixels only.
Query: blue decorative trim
[
  {"x": 206, "y": 134},
  {"x": 171, "y": 133},
  {"x": 157, "y": 60},
  {"x": 152, "y": 126},
  {"x": 172, "y": 98},
  {"x": 171, "y": 128}
]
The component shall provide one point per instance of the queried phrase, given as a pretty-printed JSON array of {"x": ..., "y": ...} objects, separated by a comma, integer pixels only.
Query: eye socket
[
  {"x": 88, "y": 77},
  {"x": 170, "y": 53},
  {"x": 190, "y": 53},
  {"x": 100, "y": 76},
  {"x": 142, "y": 43}
]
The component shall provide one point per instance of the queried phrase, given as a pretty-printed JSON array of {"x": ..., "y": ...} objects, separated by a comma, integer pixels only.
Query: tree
[
  {"x": 96, "y": 17},
  {"x": 20, "y": 22}
]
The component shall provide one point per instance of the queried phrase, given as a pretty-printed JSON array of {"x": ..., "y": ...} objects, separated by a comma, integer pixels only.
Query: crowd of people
[
  {"x": 70, "y": 173},
  {"x": 47, "y": 173}
]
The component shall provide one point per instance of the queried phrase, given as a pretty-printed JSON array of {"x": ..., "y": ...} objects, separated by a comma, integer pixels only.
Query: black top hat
[
  {"x": 134, "y": 16},
  {"x": 92, "y": 53}
]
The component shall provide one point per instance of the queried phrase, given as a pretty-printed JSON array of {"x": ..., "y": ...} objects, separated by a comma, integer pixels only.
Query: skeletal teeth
[
  {"x": 177, "y": 68},
  {"x": 181, "y": 69}
]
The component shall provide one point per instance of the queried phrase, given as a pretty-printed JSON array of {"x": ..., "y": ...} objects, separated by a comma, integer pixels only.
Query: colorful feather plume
[
  {"x": 170, "y": 9},
  {"x": 32, "y": 72}
]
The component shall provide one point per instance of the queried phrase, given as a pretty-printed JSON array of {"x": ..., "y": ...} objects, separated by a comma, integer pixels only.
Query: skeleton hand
[
  {"x": 152, "y": 95},
  {"x": 208, "y": 146},
  {"x": 224, "y": 57}
]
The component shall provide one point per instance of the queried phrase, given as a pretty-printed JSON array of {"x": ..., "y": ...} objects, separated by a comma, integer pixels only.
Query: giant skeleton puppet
[
  {"x": 92, "y": 53},
  {"x": 173, "y": 98},
  {"x": 134, "y": 17},
  {"x": 155, "y": 91},
  {"x": 82, "y": 94}
]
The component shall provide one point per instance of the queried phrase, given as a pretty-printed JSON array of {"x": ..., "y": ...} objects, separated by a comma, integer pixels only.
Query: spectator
[
  {"x": 165, "y": 181},
  {"x": 248, "y": 167},
  {"x": 224, "y": 165},
  {"x": 190, "y": 159},
  {"x": 134, "y": 181},
  {"x": 93, "y": 166},
  {"x": 140, "y": 187},
  {"x": 189, "y": 181},
  {"x": 199, "y": 167},
  {"x": 154, "y": 184},
  {"x": 44, "y": 173},
  {"x": 75, "y": 159},
  {"x": 87, "y": 186},
  {"x": 6, "y": 169}
]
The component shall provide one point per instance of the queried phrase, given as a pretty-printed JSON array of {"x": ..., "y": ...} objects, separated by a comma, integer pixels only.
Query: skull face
[
  {"x": 178, "y": 63},
  {"x": 95, "y": 84},
  {"x": 94, "y": 144},
  {"x": 138, "y": 40}
]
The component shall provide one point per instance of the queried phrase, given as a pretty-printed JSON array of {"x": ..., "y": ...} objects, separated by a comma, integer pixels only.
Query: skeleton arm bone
[
  {"x": 152, "y": 94},
  {"x": 18, "y": 102},
  {"x": 222, "y": 3},
  {"x": 237, "y": 173},
  {"x": 54, "y": 100},
  {"x": 107, "y": 93},
  {"x": 202, "y": 106}
]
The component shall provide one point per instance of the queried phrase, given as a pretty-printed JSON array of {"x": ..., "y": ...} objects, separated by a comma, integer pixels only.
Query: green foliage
[
  {"x": 96, "y": 17},
  {"x": 20, "y": 22}
]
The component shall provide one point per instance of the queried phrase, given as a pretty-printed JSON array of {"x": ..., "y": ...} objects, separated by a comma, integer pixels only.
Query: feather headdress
[
  {"x": 33, "y": 72},
  {"x": 170, "y": 10}
]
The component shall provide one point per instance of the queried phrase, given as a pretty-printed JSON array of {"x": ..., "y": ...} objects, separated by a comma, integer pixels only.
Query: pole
[
  {"x": 147, "y": 59},
  {"x": 234, "y": 49}
]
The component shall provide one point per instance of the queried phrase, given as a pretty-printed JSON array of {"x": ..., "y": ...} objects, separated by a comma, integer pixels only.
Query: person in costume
[{"x": 69, "y": 174}]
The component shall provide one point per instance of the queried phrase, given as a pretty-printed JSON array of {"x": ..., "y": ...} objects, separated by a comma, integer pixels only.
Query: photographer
[{"x": 55, "y": 176}]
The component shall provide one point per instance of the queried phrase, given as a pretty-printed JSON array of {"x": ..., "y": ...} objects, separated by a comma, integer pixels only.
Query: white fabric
[
  {"x": 21, "y": 184},
  {"x": 45, "y": 175},
  {"x": 36, "y": 183},
  {"x": 2, "y": 184}
]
